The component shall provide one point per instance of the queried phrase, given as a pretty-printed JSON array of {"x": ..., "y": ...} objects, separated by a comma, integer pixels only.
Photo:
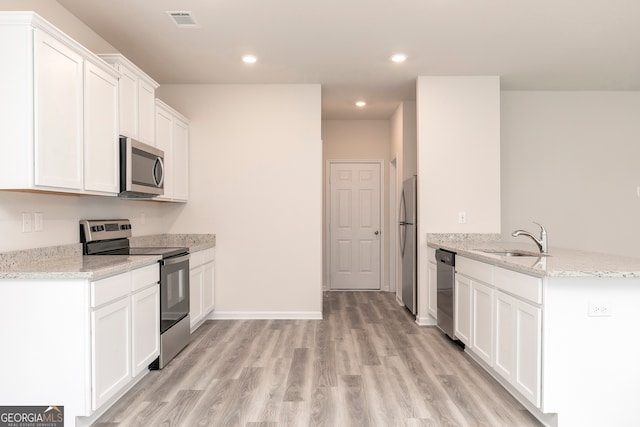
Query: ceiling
[{"x": 345, "y": 45}]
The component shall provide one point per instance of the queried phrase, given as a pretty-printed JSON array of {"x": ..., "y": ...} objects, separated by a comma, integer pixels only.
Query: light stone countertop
[
  {"x": 195, "y": 242},
  {"x": 77, "y": 267},
  {"x": 67, "y": 261},
  {"x": 560, "y": 263}
]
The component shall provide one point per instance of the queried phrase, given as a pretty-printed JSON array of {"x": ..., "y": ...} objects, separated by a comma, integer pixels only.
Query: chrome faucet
[{"x": 541, "y": 242}]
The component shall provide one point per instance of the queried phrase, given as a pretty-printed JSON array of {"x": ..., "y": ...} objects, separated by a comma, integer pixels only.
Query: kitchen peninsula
[{"x": 557, "y": 331}]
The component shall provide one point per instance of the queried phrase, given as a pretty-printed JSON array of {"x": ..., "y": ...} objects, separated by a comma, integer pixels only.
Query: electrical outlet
[
  {"x": 600, "y": 309},
  {"x": 462, "y": 217},
  {"x": 38, "y": 221},
  {"x": 26, "y": 222}
]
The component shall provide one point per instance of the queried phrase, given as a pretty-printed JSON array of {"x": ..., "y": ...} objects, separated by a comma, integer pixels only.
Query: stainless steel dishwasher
[{"x": 446, "y": 261}]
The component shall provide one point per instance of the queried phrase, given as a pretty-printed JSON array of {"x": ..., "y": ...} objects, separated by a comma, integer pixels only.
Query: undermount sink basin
[{"x": 512, "y": 252}]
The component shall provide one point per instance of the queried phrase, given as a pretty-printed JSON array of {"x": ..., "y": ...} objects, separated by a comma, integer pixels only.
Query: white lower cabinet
[
  {"x": 110, "y": 351},
  {"x": 528, "y": 351},
  {"x": 208, "y": 280},
  {"x": 482, "y": 320},
  {"x": 125, "y": 330},
  {"x": 505, "y": 335},
  {"x": 462, "y": 320},
  {"x": 518, "y": 345},
  {"x": 201, "y": 286},
  {"x": 499, "y": 318},
  {"x": 195, "y": 295},
  {"x": 145, "y": 327}
]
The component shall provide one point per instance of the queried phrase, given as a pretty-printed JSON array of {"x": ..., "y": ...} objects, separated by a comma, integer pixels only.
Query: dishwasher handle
[{"x": 446, "y": 257}]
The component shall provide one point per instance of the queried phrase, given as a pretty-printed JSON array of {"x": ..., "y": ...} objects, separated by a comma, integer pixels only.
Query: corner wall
[{"x": 256, "y": 182}]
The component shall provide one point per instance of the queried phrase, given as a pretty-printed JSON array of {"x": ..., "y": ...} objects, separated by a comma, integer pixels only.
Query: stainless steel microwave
[{"x": 141, "y": 170}]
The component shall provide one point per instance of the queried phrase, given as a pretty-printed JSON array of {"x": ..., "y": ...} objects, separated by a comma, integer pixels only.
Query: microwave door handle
[{"x": 158, "y": 164}]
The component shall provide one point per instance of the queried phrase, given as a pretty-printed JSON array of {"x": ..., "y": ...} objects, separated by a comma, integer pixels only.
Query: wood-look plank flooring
[{"x": 365, "y": 364}]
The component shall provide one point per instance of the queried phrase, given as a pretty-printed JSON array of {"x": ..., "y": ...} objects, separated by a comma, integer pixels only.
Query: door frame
[{"x": 327, "y": 204}]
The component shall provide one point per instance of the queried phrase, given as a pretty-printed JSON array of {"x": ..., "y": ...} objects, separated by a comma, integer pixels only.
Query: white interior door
[{"x": 354, "y": 225}]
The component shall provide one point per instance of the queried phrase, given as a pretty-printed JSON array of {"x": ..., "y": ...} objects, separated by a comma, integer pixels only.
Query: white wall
[
  {"x": 256, "y": 182},
  {"x": 458, "y": 162},
  {"x": 62, "y": 214},
  {"x": 360, "y": 140},
  {"x": 571, "y": 161},
  {"x": 459, "y": 153}
]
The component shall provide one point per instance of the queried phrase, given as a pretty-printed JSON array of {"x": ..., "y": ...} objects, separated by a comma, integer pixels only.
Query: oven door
[{"x": 174, "y": 290}]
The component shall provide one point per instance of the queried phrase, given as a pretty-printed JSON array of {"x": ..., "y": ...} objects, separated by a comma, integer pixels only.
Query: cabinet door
[
  {"x": 505, "y": 335},
  {"x": 111, "y": 354},
  {"x": 208, "y": 288},
  {"x": 145, "y": 328},
  {"x": 164, "y": 127},
  {"x": 180, "y": 158},
  {"x": 195, "y": 295},
  {"x": 528, "y": 333},
  {"x": 101, "y": 153},
  {"x": 146, "y": 112},
  {"x": 482, "y": 321},
  {"x": 432, "y": 307},
  {"x": 462, "y": 321},
  {"x": 58, "y": 94},
  {"x": 128, "y": 91}
]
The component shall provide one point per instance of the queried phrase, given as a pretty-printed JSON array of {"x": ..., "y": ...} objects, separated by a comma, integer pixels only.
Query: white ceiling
[{"x": 345, "y": 45}]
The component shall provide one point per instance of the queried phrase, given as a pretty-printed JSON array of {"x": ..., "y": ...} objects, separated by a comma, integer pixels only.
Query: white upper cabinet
[
  {"x": 57, "y": 111},
  {"x": 137, "y": 99},
  {"x": 58, "y": 93},
  {"x": 101, "y": 154},
  {"x": 172, "y": 136},
  {"x": 146, "y": 111}
]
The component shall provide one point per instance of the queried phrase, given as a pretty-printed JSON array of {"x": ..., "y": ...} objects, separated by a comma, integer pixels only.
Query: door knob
[{"x": 377, "y": 232}]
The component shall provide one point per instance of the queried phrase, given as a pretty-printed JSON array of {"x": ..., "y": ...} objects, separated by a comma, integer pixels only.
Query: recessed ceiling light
[
  {"x": 399, "y": 57},
  {"x": 249, "y": 59},
  {"x": 360, "y": 104}
]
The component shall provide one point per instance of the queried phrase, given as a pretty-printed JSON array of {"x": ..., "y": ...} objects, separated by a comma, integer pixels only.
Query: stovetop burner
[{"x": 111, "y": 237}]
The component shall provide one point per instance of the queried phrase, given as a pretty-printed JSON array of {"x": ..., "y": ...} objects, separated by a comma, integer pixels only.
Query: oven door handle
[{"x": 176, "y": 260}]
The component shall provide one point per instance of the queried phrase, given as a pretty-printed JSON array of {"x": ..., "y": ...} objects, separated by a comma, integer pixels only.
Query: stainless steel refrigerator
[{"x": 409, "y": 243}]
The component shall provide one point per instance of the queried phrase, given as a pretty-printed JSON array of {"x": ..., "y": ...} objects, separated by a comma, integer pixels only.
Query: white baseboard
[
  {"x": 425, "y": 321},
  {"x": 278, "y": 315}
]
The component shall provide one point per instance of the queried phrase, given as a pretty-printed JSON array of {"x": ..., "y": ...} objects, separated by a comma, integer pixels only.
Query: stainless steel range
[{"x": 111, "y": 237}]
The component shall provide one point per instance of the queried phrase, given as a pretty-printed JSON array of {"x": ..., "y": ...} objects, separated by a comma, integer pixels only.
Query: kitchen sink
[{"x": 512, "y": 252}]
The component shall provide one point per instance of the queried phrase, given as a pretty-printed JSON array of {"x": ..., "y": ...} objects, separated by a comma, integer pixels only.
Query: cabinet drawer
[
  {"x": 145, "y": 276},
  {"x": 518, "y": 284},
  {"x": 202, "y": 257},
  {"x": 474, "y": 269},
  {"x": 109, "y": 289}
]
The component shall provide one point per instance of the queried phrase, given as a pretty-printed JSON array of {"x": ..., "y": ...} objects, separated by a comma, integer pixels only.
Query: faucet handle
[
  {"x": 542, "y": 229},
  {"x": 543, "y": 238}
]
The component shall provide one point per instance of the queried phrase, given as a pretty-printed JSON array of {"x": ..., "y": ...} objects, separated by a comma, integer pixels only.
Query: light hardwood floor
[{"x": 365, "y": 364}]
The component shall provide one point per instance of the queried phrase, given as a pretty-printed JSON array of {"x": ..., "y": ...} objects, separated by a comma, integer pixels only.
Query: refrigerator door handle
[{"x": 403, "y": 217}]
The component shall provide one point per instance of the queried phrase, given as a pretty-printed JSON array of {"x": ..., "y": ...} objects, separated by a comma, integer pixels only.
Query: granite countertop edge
[
  {"x": 67, "y": 262},
  {"x": 562, "y": 262}
]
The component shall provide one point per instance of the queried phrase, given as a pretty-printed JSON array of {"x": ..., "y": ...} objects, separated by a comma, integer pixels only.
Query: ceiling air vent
[{"x": 183, "y": 19}]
